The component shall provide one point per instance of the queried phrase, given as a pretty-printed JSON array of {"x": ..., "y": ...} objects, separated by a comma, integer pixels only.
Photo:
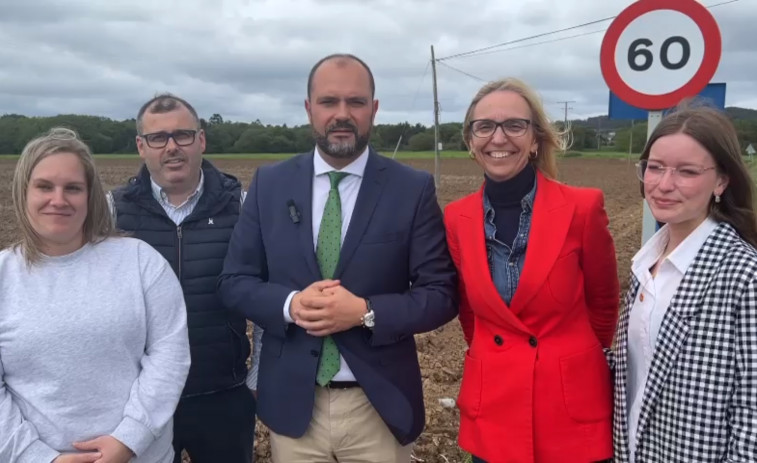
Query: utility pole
[
  {"x": 565, "y": 123},
  {"x": 437, "y": 174}
]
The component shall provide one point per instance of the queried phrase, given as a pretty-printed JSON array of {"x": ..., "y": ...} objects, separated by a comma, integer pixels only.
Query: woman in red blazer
[{"x": 538, "y": 293}]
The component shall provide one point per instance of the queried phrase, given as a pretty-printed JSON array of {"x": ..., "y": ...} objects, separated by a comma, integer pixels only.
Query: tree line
[
  {"x": 106, "y": 136},
  {"x": 635, "y": 137}
]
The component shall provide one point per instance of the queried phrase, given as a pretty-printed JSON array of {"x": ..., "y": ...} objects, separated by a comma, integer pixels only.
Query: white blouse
[{"x": 649, "y": 308}]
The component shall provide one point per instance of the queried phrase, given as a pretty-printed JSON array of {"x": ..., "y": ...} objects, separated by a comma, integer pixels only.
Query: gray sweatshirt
[{"x": 92, "y": 343}]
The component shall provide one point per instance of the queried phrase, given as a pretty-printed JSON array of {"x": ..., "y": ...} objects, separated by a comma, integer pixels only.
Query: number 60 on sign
[{"x": 657, "y": 52}]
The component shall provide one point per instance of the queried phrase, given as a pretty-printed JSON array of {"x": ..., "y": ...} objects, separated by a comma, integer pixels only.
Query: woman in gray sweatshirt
[{"x": 93, "y": 336}]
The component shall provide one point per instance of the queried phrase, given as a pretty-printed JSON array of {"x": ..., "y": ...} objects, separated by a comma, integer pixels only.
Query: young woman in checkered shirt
[{"x": 686, "y": 344}]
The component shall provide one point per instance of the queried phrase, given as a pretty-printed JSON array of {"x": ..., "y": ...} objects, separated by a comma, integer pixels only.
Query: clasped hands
[
  {"x": 104, "y": 449},
  {"x": 325, "y": 307}
]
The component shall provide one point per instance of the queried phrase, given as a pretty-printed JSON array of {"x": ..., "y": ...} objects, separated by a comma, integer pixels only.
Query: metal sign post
[{"x": 656, "y": 53}]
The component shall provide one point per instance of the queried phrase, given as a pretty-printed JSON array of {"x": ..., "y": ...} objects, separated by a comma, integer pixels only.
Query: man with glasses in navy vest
[{"x": 186, "y": 209}]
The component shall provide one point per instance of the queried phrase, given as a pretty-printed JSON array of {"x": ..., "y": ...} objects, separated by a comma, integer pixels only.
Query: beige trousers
[{"x": 345, "y": 428}]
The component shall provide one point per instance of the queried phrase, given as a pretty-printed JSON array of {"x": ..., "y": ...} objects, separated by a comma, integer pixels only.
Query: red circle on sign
[{"x": 712, "y": 50}]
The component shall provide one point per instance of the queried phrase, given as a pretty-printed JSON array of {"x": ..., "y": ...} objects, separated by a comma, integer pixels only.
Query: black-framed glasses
[
  {"x": 160, "y": 139},
  {"x": 484, "y": 128},
  {"x": 652, "y": 172}
]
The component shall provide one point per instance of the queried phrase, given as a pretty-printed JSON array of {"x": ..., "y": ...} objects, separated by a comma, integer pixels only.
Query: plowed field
[{"x": 440, "y": 352}]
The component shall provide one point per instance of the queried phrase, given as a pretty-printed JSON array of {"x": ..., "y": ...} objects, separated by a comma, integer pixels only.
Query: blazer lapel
[
  {"x": 473, "y": 247},
  {"x": 367, "y": 198},
  {"x": 686, "y": 303},
  {"x": 620, "y": 425},
  {"x": 302, "y": 195},
  {"x": 550, "y": 222}
]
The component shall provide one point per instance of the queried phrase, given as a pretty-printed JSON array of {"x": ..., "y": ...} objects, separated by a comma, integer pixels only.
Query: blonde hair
[
  {"x": 548, "y": 139},
  {"x": 98, "y": 224}
]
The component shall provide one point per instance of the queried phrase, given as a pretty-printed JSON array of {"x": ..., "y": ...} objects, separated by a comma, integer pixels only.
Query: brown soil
[{"x": 440, "y": 352}]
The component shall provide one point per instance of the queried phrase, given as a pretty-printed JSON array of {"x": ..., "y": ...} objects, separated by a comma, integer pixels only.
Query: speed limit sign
[{"x": 657, "y": 52}]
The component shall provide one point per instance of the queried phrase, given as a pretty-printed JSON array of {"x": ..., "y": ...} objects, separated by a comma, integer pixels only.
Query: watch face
[{"x": 368, "y": 319}]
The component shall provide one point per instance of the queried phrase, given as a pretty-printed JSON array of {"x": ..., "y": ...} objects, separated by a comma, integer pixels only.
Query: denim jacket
[{"x": 506, "y": 261}]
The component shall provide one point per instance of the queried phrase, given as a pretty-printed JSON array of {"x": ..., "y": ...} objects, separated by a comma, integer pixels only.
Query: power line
[
  {"x": 461, "y": 71},
  {"x": 412, "y": 106},
  {"x": 418, "y": 90},
  {"x": 480, "y": 51},
  {"x": 542, "y": 42},
  {"x": 543, "y": 34},
  {"x": 515, "y": 48},
  {"x": 722, "y": 3}
]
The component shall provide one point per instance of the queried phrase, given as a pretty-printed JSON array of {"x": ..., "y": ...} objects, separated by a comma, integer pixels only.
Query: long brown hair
[{"x": 715, "y": 132}]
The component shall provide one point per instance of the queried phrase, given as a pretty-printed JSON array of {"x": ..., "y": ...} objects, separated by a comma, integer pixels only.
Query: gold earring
[{"x": 471, "y": 155}]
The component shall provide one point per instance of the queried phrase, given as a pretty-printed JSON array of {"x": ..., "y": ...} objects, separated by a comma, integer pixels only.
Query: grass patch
[
  {"x": 752, "y": 165},
  {"x": 604, "y": 154}
]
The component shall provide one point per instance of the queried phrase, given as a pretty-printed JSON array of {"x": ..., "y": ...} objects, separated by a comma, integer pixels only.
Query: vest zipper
[{"x": 179, "y": 263}]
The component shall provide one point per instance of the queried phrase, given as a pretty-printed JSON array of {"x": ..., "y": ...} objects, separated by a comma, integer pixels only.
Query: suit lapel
[
  {"x": 550, "y": 222},
  {"x": 473, "y": 248},
  {"x": 370, "y": 191},
  {"x": 620, "y": 425},
  {"x": 302, "y": 195},
  {"x": 686, "y": 303}
]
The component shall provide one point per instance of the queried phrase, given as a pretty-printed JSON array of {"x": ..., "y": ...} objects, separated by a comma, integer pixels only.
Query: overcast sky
[{"x": 249, "y": 59}]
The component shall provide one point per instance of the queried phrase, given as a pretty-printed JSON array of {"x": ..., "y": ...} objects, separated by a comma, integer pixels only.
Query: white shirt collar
[
  {"x": 159, "y": 193},
  {"x": 682, "y": 256},
  {"x": 356, "y": 167}
]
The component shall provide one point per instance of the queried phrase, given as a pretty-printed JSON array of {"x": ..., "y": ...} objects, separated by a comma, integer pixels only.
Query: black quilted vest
[{"x": 196, "y": 250}]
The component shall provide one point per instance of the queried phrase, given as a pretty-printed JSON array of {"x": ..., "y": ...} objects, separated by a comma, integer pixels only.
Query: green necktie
[{"x": 327, "y": 253}]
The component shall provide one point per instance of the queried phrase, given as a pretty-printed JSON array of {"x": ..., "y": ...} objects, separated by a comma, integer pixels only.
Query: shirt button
[
  {"x": 512, "y": 264},
  {"x": 498, "y": 340},
  {"x": 532, "y": 341}
]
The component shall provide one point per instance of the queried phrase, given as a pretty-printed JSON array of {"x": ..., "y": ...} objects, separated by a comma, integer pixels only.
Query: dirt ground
[{"x": 440, "y": 352}]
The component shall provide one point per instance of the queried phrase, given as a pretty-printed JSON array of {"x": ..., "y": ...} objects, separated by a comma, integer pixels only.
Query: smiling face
[
  {"x": 56, "y": 203},
  {"x": 175, "y": 168},
  {"x": 503, "y": 156},
  {"x": 683, "y": 203}
]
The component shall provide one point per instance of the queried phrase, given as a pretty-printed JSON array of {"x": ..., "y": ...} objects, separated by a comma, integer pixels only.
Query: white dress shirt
[
  {"x": 348, "y": 190},
  {"x": 649, "y": 308},
  {"x": 182, "y": 211}
]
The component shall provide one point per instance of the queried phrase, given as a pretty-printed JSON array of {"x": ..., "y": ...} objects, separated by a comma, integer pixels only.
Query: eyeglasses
[
  {"x": 160, "y": 139},
  {"x": 484, "y": 128},
  {"x": 652, "y": 172}
]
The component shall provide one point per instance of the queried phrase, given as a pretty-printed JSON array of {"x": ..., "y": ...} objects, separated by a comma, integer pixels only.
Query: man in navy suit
[{"x": 340, "y": 256}]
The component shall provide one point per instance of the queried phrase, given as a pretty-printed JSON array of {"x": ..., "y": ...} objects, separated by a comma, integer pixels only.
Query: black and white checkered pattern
[{"x": 700, "y": 400}]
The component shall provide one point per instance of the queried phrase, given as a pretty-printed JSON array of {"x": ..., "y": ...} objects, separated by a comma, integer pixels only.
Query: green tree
[
  {"x": 624, "y": 136},
  {"x": 423, "y": 141},
  {"x": 215, "y": 119}
]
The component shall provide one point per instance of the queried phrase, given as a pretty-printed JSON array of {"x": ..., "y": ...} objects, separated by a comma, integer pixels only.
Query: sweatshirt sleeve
[
  {"x": 19, "y": 441},
  {"x": 165, "y": 362}
]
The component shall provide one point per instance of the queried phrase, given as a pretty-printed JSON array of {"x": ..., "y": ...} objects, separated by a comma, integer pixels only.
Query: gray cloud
[{"x": 249, "y": 59}]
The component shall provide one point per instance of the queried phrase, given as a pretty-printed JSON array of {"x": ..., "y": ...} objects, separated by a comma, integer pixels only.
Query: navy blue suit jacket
[{"x": 394, "y": 252}]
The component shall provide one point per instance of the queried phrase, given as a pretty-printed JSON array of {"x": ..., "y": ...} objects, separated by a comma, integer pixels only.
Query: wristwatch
[{"x": 368, "y": 320}]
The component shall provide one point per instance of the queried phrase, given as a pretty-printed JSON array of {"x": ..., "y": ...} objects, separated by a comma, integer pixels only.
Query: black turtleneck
[{"x": 505, "y": 197}]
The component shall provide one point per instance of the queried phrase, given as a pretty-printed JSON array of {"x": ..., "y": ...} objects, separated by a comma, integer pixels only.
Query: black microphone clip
[{"x": 294, "y": 214}]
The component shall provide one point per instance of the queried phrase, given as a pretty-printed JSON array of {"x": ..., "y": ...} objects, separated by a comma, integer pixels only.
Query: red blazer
[{"x": 536, "y": 384}]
